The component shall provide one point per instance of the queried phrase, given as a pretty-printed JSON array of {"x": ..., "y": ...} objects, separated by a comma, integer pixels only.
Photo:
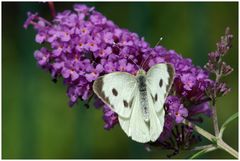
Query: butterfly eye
[
  {"x": 160, "y": 82},
  {"x": 114, "y": 92}
]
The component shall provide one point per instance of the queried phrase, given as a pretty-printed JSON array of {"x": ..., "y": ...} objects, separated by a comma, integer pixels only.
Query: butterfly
[{"x": 138, "y": 100}]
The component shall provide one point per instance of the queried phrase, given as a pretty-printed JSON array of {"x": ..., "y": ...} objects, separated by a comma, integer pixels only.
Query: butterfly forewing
[
  {"x": 117, "y": 90},
  {"x": 159, "y": 82}
]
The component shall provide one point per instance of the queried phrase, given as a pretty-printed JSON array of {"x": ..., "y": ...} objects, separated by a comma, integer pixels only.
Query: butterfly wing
[
  {"x": 136, "y": 127},
  {"x": 117, "y": 90},
  {"x": 156, "y": 120},
  {"x": 139, "y": 130},
  {"x": 159, "y": 81}
]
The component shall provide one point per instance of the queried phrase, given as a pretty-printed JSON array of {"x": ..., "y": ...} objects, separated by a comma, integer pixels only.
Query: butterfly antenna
[
  {"x": 126, "y": 57},
  {"x": 135, "y": 63},
  {"x": 160, "y": 39},
  {"x": 143, "y": 64},
  {"x": 132, "y": 61}
]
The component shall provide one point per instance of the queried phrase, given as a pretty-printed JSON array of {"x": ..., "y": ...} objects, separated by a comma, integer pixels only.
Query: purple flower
[
  {"x": 98, "y": 19},
  {"x": 123, "y": 65},
  {"x": 40, "y": 37},
  {"x": 225, "y": 43},
  {"x": 175, "y": 109},
  {"x": 109, "y": 67},
  {"x": 68, "y": 71},
  {"x": 80, "y": 8},
  {"x": 188, "y": 80},
  {"x": 94, "y": 72},
  {"x": 218, "y": 67},
  {"x": 104, "y": 52},
  {"x": 181, "y": 114},
  {"x": 167, "y": 129},
  {"x": 92, "y": 46},
  {"x": 42, "y": 56},
  {"x": 108, "y": 38},
  {"x": 30, "y": 18},
  {"x": 226, "y": 69},
  {"x": 110, "y": 118},
  {"x": 223, "y": 47},
  {"x": 64, "y": 36},
  {"x": 222, "y": 89},
  {"x": 98, "y": 103}
]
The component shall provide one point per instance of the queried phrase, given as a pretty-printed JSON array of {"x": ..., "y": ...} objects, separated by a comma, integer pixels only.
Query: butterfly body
[
  {"x": 138, "y": 100},
  {"x": 142, "y": 87}
]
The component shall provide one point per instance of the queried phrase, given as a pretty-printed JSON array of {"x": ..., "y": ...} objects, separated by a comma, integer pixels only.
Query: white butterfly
[{"x": 138, "y": 100}]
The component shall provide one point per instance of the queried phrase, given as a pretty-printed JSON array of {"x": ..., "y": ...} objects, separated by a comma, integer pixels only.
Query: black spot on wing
[
  {"x": 156, "y": 97},
  {"x": 160, "y": 83},
  {"x": 125, "y": 103},
  {"x": 114, "y": 92},
  {"x": 153, "y": 98},
  {"x": 148, "y": 124}
]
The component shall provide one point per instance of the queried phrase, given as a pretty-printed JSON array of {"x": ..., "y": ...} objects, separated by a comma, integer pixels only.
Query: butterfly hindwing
[
  {"x": 135, "y": 126},
  {"x": 117, "y": 90},
  {"x": 156, "y": 120},
  {"x": 139, "y": 130},
  {"x": 159, "y": 80}
]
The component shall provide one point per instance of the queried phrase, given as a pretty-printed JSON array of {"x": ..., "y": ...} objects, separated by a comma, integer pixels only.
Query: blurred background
[{"x": 36, "y": 119}]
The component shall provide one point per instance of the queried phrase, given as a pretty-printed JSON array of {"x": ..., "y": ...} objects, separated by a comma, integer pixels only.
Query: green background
[{"x": 36, "y": 119}]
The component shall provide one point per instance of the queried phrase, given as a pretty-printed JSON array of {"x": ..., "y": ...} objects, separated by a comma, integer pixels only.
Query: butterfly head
[{"x": 141, "y": 72}]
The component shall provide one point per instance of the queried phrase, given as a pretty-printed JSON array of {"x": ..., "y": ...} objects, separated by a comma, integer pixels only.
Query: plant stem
[
  {"x": 215, "y": 119},
  {"x": 202, "y": 147},
  {"x": 227, "y": 148},
  {"x": 214, "y": 110},
  {"x": 219, "y": 142},
  {"x": 200, "y": 130}
]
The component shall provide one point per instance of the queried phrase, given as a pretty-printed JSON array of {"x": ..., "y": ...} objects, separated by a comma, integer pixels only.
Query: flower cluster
[
  {"x": 82, "y": 45},
  {"x": 218, "y": 67},
  {"x": 109, "y": 117}
]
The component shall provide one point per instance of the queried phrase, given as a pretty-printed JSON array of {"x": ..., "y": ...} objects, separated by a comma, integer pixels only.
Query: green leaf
[
  {"x": 204, "y": 151},
  {"x": 230, "y": 119}
]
